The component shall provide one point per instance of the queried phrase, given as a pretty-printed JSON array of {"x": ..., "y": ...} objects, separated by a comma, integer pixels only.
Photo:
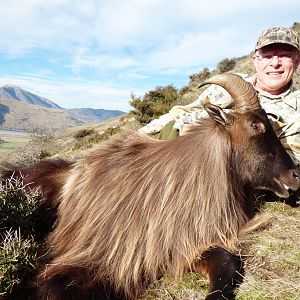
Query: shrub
[
  {"x": 226, "y": 65},
  {"x": 83, "y": 133},
  {"x": 197, "y": 78},
  {"x": 17, "y": 204},
  {"x": 18, "y": 258},
  {"x": 38, "y": 147},
  {"x": 19, "y": 251},
  {"x": 183, "y": 90},
  {"x": 154, "y": 103}
]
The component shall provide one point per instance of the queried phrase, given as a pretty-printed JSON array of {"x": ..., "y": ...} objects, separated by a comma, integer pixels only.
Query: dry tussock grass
[{"x": 273, "y": 265}]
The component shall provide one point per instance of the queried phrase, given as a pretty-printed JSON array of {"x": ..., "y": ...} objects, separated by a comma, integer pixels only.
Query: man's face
[{"x": 275, "y": 65}]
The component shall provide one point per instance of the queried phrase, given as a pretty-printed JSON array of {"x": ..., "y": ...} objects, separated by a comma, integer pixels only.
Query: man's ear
[
  {"x": 297, "y": 60},
  {"x": 217, "y": 114},
  {"x": 254, "y": 61}
]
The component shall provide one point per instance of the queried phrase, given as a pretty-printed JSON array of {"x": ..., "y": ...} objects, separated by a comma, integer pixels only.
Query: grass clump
[
  {"x": 17, "y": 205},
  {"x": 192, "y": 286},
  {"x": 19, "y": 251},
  {"x": 273, "y": 264},
  {"x": 18, "y": 258},
  {"x": 83, "y": 133},
  {"x": 86, "y": 138}
]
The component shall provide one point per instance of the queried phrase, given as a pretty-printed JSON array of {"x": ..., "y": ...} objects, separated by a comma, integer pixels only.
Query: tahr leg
[{"x": 225, "y": 272}]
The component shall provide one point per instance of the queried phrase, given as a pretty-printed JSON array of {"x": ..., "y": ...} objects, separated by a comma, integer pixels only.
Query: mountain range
[{"x": 23, "y": 110}]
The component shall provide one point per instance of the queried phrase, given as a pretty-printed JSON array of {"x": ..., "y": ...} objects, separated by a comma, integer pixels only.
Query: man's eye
[
  {"x": 285, "y": 55},
  {"x": 266, "y": 56}
]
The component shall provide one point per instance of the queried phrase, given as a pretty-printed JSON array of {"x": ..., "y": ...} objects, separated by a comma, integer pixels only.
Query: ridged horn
[{"x": 243, "y": 94}]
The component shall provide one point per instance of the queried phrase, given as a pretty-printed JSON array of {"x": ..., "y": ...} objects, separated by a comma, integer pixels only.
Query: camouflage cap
[{"x": 276, "y": 35}]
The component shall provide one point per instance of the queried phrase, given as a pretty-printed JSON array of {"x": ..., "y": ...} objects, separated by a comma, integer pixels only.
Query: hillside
[
  {"x": 23, "y": 110},
  {"x": 17, "y": 115},
  {"x": 91, "y": 115}
]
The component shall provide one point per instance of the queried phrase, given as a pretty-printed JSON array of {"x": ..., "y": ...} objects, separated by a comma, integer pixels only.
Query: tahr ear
[{"x": 217, "y": 113}]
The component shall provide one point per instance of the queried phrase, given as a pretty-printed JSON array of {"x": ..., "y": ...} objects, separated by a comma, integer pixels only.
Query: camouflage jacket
[{"x": 284, "y": 107}]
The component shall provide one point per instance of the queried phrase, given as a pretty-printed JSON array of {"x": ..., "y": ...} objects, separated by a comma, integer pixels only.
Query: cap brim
[{"x": 276, "y": 42}]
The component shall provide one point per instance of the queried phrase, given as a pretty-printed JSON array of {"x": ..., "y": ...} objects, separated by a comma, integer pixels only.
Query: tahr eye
[{"x": 258, "y": 127}]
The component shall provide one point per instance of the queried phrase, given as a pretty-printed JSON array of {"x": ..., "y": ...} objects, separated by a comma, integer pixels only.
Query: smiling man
[{"x": 275, "y": 59}]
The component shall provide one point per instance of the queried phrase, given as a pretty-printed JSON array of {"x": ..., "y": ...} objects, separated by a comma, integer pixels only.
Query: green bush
[
  {"x": 226, "y": 65},
  {"x": 17, "y": 204},
  {"x": 19, "y": 251},
  {"x": 154, "y": 103},
  {"x": 183, "y": 90},
  {"x": 197, "y": 78},
  {"x": 83, "y": 133},
  {"x": 18, "y": 260}
]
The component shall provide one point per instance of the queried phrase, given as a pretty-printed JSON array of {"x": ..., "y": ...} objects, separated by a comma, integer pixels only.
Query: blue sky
[{"x": 95, "y": 53}]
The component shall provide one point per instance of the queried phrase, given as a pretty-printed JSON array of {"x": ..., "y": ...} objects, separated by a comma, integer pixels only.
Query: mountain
[
  {"x": 91, "y": 115},
  {"x": 22, "y": 110},
  {"x": 16, "y": 93},
  {"x": 16, "y": 115}
]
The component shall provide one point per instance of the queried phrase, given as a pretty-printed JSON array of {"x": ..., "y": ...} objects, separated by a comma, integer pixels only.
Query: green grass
[
  {"x": 11, "y": 143},
  {"x": 273, "y": 267},
  {"x": 192, "y": 286}
]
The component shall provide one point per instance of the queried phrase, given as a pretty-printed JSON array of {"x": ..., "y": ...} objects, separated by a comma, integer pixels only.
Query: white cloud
[
  {"x": 70, "y": 93},
  {"x": 118, "y": 23},
  {"x": 103, "y": 62},
  {"x": 197, "y": 49},
  {"x": 111, "y": 25},
  {"x": 122, "y": 45}
]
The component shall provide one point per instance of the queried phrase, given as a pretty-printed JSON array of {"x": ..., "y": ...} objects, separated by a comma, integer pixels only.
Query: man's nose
[{"x": 275, "y": 60}]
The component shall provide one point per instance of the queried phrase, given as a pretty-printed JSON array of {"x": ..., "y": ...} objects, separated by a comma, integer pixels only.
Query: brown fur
[
  {"x": 125, "y": 216},
  {"x": 140, "y": 208}
]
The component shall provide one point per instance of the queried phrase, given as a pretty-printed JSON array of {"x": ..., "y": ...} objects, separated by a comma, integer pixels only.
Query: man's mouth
[{"x": 277, "y": 73}]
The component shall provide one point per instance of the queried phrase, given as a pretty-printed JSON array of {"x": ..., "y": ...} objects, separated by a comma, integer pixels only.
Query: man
[{"x": 276, "y": 58}]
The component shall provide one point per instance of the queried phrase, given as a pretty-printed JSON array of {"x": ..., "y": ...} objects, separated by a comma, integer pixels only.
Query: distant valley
[{"x": 23, "y": 110}]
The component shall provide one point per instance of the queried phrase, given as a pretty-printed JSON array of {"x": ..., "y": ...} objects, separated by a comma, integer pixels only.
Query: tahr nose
[
  {"x": 291, "y": 178},
  {"x": 295, "y": 178},
  {"x": 296, "y": 173}
]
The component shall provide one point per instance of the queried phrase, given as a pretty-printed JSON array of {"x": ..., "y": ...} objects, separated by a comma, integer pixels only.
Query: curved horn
[{"x": 243, "y": 94}]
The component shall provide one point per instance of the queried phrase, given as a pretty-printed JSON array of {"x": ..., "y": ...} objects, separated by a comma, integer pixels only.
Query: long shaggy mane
[{"x": 139, "y": 208}]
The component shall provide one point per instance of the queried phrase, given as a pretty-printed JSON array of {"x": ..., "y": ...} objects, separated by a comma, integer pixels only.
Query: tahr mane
[{"x": 175, "y": 203}]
